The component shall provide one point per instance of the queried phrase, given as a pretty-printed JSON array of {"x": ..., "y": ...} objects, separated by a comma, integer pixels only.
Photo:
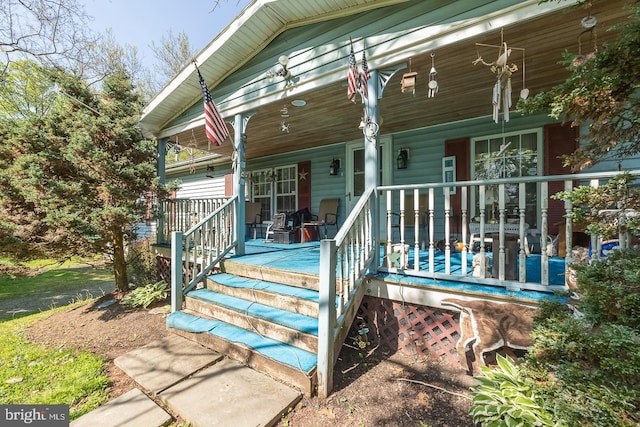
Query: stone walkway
[{"x": 199, "y": 385}]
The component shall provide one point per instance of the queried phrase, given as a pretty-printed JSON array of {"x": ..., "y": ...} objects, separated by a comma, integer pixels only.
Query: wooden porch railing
[
  {"x": 420, "y": 217},
  {"x": 344, "y": 264},
  {"x": 182, "y": 214},
  {"x": 197, "y": 251}
]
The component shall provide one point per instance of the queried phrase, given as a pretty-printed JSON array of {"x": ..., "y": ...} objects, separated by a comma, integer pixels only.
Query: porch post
[
  {"x": 326, "y": 316},
  {"x": 371, "y": 150},
  {"x": 161, "y": 171},
  {"x": 177, "y": 277},
  {"x": 238, "y": 163}
]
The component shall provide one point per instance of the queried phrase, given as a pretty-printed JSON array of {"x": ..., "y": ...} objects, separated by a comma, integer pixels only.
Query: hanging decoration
[
  {"x": 432, "y": 86},
  {"x": 409, "y": 80},
  {"x": 502, "y": 70},
  {"x": 589, "y": 23},
  {"x": 284, "y": 114},
  {"x": 369, "y": 127}
]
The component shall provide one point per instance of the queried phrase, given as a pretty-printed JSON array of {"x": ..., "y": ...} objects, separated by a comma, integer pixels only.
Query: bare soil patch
[{"x": 386, "y": 389}]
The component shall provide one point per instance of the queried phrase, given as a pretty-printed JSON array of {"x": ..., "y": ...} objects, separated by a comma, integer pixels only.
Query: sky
[{"x": 140, "y": 22}]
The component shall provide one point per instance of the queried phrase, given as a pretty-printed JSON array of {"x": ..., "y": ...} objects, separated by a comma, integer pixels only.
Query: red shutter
[
  {"x": 304, "y": 185},
  {"x": 460, "y": 149},
  {"x": 559, "y": 140},
  {"x": 228, "y": 185}
]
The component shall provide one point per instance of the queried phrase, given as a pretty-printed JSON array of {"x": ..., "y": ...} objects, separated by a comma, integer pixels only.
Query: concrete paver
[
  {"x": 229, "y": 394},
  {"x": 132, "y": 409},
  {"x": 161, "y": 364}
]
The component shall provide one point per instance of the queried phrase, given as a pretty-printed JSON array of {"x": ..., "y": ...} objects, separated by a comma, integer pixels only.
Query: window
[
  {"x": 276, "y": 190},
  {"x": 511, "y": 155},
  {"x": 261, "y": 184},
  {"x": 286, "y": 188}
]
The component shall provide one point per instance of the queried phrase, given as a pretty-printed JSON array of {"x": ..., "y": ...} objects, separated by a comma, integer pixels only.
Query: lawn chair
[
  {"x": 253, "y": 216},
  {"x": 327, "y": 216}
]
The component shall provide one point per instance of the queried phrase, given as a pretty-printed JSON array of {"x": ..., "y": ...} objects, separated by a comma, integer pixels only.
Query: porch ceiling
[{"x": 465, "y": 90}]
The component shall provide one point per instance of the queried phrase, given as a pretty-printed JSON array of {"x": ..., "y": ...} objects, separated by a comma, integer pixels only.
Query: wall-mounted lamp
[
  {"x": 334, "y": 167},
  {"x": 403, "y": 158},
  {"x": 281, "y": 69},
  {"x": 210, "y": 171}
]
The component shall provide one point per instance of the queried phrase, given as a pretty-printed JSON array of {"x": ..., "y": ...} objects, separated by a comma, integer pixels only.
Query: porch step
[
  {"x": 285, "y": 297},
  {"x": 271, "y": 274},
  {"x": 284, "y": 326},
  {"x": 279, "y": 360}
]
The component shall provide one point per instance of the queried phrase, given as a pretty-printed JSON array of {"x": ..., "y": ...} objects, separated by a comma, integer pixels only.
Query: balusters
[
  {"x": 522, "y": 200},
  {"x": 483, "y": 257},
  {"x": 568, "y": 206},
  {"x": 465, "y": 247},
  {"x": 501, "y": 221},
  {"x": 416, "y": 229},
  {"x": 447, "y": 231},
  {"x": 431, "y": 230}
]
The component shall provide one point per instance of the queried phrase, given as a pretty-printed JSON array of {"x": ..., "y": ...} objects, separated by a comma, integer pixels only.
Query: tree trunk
[{"x": 119, "y": 261}]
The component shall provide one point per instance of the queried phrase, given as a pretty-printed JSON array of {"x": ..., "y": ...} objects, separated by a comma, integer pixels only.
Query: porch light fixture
[
  {"x": 210, "y": 170},
  {"x": 281, "y": 69},
  {"x": 334, "y": 167},
  {"x": 403, "y": 158}
]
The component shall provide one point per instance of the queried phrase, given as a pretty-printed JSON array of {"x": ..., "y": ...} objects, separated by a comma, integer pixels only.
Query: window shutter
[
  {"x": 459, "y": 148},
  {"x": 304, "y": 185},
  {"x": 559, "y": 140}
]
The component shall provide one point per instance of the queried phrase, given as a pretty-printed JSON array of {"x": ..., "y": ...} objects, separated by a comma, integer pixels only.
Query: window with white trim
[
  {"x": 510, "y": 155},
  {"x": 276, "y": 189}
]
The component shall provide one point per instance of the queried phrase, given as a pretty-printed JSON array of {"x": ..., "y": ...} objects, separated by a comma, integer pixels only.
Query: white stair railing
[{"x": 197, "y": 251}]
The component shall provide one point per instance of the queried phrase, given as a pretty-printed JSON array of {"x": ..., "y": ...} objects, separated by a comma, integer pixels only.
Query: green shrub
[
  {"x": 583, "y": 369},
  {"x": 506, "y": 397},
  {"x": 146, "y": 295},
  {"x": 610, "y": 289},
  {"x": 141, "y": 263}
]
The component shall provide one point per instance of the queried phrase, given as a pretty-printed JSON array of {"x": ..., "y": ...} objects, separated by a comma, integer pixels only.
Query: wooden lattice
[
  {"x": 412, "y": 328},
  {"x": 163, "y": 268}
]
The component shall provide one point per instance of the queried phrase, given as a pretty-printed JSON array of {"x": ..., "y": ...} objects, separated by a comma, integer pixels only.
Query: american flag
[
  {"x": 364, "y": 75},
  {"x": 214, "y": 126},
  {"x": 351, "y": 77}
]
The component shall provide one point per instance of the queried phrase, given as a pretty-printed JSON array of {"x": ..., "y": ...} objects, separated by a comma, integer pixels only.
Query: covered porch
[{"x": 436, "y": 196}]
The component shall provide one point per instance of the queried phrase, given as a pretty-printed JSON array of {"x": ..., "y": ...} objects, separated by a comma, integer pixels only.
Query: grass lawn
[
  {"x": 54, "y": 277},
  {"x": 32, "y": 374}
]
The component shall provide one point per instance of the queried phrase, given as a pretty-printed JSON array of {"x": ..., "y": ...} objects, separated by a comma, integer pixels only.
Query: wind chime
[
  {"x": 503, "y": 71},
  {"x": 589, "y": 23},
  {"x": 284, "y": 114},
  {"x": 432, "y": 86}
]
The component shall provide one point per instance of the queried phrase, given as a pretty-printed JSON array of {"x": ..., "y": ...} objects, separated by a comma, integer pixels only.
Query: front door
[{"x": 355, "y": 171}]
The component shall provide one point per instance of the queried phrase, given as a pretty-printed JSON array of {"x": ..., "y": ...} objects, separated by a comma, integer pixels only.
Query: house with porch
[{"x": 442, "y": 189}]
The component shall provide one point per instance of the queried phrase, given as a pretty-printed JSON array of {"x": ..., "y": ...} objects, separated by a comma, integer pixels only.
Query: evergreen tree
[{"x": 77, "y": 171}]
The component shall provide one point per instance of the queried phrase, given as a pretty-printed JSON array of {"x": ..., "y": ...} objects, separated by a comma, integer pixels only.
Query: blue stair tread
[
  {"x": 273, "y": 349},
  {"x": 241, "y": 282},
  {"x": 295, "y": 321}
]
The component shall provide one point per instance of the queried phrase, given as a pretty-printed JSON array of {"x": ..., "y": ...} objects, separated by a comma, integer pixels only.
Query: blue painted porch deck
[{"x": 305, "y": 257}]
